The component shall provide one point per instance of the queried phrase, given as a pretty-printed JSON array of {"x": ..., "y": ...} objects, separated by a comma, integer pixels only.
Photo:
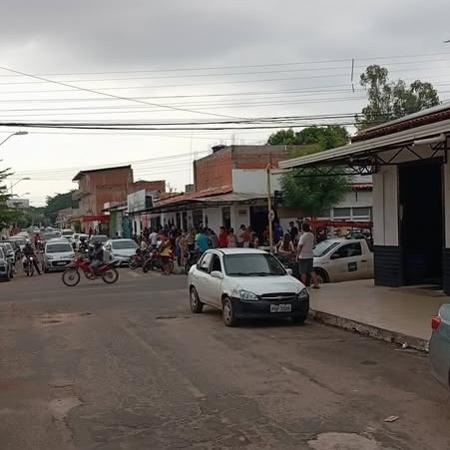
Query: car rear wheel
[
  {"x": 228, "y": 313},
  {"x": 194, "y": 301}
]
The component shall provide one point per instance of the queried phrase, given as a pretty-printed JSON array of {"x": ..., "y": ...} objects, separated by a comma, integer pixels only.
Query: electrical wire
[{"x": 92, "y": 91}]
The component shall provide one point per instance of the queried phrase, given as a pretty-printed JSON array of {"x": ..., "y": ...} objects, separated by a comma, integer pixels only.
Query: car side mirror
[
  {"x": 289, "y": 272},
  {"x": 217, "y": 274},
  {"x": 334, "y": 256}
]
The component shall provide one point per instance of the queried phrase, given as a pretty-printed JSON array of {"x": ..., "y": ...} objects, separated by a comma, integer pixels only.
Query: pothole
[
  {"x": 344, "y": 441},
  {"x": 60, "y": 407},
  {"x": 60, "y": 318},
  {"x": 171, "y": 317}
]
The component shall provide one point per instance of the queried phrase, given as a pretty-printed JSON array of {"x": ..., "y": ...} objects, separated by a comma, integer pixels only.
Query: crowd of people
[{"x": 295, "y": 243}]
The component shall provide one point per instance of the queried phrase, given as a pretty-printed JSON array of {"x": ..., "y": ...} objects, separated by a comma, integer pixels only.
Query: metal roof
[{"x": 375, "y": 145}]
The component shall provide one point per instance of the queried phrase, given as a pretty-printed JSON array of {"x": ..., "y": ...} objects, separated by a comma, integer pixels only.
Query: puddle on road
[{"x": 344, "y": 441}]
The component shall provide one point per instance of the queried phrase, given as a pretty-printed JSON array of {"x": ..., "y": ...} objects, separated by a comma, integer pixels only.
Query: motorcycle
[
  {"x": 156, "y": 261},
  {"x": 139, "y": 259},
  {"x": 28, "y": 266},
  {"x": 107, "y": 272},
  {"x": 192, "y": 257}
]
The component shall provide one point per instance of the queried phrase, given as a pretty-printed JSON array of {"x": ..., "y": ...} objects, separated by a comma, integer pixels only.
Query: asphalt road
[{"x": 129, "y": 367}]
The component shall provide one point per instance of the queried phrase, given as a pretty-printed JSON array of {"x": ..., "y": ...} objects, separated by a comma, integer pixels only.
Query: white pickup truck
[{"x": 343, "y": 260}]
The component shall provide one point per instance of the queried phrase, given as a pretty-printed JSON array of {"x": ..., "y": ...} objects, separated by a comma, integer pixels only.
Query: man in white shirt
[
  {"x": 153, "y": 238},
  {"x": 305, "y": 256}
]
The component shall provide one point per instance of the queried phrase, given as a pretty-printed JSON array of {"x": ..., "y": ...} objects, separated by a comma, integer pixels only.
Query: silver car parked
[
  {"x": 58, "y": 254},
  {"x": 440, "y": 346}
]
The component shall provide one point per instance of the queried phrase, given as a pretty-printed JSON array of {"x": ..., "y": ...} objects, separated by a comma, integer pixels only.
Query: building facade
[{"x": 411, "y": 194}]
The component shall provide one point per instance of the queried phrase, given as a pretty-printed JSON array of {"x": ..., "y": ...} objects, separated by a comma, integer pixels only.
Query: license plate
[
  {"x": 61, "y": 263},
  {"x": 280, "y": 308}
]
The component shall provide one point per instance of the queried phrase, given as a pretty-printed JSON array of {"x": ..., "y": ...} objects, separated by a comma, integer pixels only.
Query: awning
[
  {"x": 95, "y": 218},
  {"x": 363, "y": 154}
]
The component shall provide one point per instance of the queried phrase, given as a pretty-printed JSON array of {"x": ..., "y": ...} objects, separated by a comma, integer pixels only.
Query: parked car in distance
[
  {"x": 48, "y": 235},
  {"x": 6, "y": 267},
  {"x": 77, "y": 239},
  {"x": 120, "y": 250},
  {"x": 9, "y": 251},
  {"x": 68, "y": 232},
  {"x": 19, "y": 241},
  {"x": 246, "y": 283},
  {"x": 58, "y": 253},
  {"x": 343, "y": 260},
  {"x": 439, "y": 346},
  {"x": 98, "y": 238}
]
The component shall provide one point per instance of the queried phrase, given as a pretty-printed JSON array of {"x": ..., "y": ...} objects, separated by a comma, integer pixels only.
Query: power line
[
  {"x": 325, "y": 69},
  {"x": 240, "y": 66},
  {"x": 107, "y": 95}
]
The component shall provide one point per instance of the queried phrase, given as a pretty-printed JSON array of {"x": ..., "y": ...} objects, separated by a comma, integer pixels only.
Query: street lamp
[
  {"x": 17, "y": 133},
  {"x": 17, "y": 182}
]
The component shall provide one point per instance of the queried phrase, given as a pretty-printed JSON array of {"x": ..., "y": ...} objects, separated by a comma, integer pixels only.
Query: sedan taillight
[{"x": 435, "y": 322}]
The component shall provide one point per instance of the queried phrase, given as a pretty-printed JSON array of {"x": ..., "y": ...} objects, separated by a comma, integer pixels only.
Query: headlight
[
  {"x": 49, "y": 257},
  {"x": 303, "y": 295},
  {"x": 247, "y": 295}
]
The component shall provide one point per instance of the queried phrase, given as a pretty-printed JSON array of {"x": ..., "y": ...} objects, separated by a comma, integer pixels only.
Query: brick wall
[
  {"x": 159, "y": 185},
  {"x": 215, "y": 170},
  {"x": 103, "y": 186}
]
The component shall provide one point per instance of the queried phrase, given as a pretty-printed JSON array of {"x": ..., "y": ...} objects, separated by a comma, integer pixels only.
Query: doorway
[{"x": 421, "y": 222}]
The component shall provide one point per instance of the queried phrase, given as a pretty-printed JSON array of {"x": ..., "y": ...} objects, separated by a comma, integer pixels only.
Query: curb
[{"x": 370, "y": 330}]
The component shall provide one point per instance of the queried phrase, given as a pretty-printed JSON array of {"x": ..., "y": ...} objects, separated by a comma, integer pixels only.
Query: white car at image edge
[{"x": 245, "y": 284}]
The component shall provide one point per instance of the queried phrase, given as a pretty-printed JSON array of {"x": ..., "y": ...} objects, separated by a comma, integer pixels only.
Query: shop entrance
[{"x": 421, "y": 222}]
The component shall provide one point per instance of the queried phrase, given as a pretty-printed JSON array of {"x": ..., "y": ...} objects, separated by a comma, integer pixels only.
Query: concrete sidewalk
[{"x": 401, "y": 315}]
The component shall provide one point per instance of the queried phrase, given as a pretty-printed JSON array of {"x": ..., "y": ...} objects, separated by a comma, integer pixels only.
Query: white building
[{"x": 411, "y": 194}]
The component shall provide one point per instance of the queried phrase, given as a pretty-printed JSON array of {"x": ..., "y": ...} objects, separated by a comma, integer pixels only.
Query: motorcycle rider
[
  {"x": 82, "y": 247},
  {"x": 29, "y": 254},
  {"x": 96, "y": 257}
]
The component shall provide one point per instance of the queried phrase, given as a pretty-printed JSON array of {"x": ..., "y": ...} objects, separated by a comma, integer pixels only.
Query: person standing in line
[
  {"x": 153, "y": 239},
  {"x": 246, "y": 237},
  {"x": 285, "y": 246},
  {"x": 240, "y": 236},
  {"x": 293, "y": 231},
  {"x": 223, "y": 238},
  {"x": 213, "y": 239},
  {"x": 232, "y": 239},
  {"x": 201, "y": 241},
  {"x": 305, "y": 256}
]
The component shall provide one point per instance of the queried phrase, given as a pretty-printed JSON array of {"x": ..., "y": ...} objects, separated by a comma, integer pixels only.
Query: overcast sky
[{"x": 157, "y": 51}]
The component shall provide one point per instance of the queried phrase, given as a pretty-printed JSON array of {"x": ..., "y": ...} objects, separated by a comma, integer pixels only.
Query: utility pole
[{"x": 270, "y": 214}]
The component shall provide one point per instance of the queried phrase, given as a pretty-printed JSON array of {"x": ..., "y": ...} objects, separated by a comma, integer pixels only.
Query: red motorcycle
[{"x": 107, "y": 272}]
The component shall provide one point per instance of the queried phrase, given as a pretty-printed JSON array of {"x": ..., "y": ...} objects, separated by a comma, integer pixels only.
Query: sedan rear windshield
[
  {"x": 59, "y": 248},
  {"x": 121, "y": 245},
  {"x": 257, "y": 264}
]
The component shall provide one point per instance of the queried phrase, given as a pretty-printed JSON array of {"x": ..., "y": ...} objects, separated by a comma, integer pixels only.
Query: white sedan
[
  {"x": 120, "y": 250},
  {"x": 246, "y": 283}
]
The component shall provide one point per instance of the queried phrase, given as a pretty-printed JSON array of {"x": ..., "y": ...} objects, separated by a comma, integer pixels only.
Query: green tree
[
  {"x": 314, "y": 139},
  {"x": 56, "y": 203},
  {"x": 390, "y": 100},
  {"x": 6, "y": 213},
  {"x": 311, "y": 193}
]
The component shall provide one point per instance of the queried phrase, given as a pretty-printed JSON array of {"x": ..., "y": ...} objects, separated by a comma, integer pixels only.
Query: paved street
[{"x": 128, "y": 367}]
